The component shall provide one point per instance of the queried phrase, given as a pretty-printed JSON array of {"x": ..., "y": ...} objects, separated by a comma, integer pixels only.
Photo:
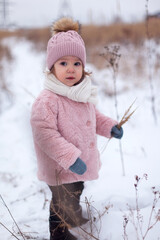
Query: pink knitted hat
[{"x": 65, "y": 42}]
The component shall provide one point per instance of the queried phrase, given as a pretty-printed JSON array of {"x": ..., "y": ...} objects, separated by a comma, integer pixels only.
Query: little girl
[{"x": 65, "y": 122}]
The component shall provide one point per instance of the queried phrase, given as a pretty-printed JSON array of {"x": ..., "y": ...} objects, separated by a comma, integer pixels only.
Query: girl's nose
[{"x": 70, "y": 69}]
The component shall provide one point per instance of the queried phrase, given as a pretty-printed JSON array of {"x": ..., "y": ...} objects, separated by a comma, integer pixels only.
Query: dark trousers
[{"x": 65, "y": 209}]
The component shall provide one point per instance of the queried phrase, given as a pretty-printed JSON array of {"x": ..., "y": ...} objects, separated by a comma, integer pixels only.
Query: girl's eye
[
  {"x": 77, "y": 64},
  {"x": 63, "y": 63}
]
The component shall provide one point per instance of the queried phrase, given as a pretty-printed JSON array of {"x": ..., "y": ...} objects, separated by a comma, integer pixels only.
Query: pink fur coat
[{"x": 64, "y": 130}]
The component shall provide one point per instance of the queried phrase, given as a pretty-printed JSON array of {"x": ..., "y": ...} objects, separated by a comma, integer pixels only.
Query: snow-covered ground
[{"x": 112, "y": 196}]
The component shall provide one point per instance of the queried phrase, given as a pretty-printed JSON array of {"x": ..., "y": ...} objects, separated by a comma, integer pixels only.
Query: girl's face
[{"x": 68, "y": 70}]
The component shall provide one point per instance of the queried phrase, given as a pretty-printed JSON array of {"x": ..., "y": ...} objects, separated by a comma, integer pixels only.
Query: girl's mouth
[{"x": 70, "y": 78}]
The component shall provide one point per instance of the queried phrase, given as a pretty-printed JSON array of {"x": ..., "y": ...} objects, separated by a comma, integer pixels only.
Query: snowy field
[{"x": 116, "y": 211}]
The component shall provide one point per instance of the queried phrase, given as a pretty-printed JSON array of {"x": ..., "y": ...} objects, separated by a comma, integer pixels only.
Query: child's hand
[
  {"x": 117, "y": 132},
  {"x": 78, "y": 167}
]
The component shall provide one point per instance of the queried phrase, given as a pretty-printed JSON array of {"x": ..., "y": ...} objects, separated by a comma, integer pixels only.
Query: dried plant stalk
[
  {"x": 12, "y": 234},
  {"x": 124, "y": 119},
  {"x": 126, "y": 116},
  {"x": 112, "y": 57},
  {"x": 12, "y": 218},
  {"x": 150, "y": 66}
]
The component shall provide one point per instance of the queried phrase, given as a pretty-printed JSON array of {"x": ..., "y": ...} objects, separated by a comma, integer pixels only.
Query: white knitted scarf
[{"x": 82, "y": 92}]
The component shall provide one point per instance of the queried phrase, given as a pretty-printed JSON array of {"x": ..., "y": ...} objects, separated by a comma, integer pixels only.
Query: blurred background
[
  {"x": 40, "y": 13},
  {"x": 122, "y": 40}
]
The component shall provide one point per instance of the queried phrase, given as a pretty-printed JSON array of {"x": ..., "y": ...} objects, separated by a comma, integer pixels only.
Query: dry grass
[
  {"x": 121, "y": 33},
  {"x": 95, "y": 38},
  {"x": 5, "y": 52},
  {"x": 94, "y": 35},
  {"x": 127, "y": 115}
]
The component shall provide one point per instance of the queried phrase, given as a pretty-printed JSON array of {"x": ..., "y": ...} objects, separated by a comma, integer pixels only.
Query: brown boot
[
  {"x": 59, "y": 232},
  {"x": 75, "y": 218},
  {"x": 76, "y": 221}
]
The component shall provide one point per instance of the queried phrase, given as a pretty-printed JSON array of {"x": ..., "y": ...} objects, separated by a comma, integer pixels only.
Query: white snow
[{"x": 28, "y": 199}]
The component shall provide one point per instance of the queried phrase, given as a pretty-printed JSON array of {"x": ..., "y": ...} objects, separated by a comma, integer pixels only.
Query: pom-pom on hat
[{"x": 65, "y": 41}]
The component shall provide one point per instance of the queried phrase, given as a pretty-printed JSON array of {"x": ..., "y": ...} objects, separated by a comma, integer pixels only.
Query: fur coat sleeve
[{"x": 104, "y": 124}]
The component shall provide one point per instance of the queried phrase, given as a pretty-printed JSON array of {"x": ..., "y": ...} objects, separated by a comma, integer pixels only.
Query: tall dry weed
[
  {"x": 150, "y": 65},
  {"x": 112, "y": 57},
  {"x": 135, "y": 216}
]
